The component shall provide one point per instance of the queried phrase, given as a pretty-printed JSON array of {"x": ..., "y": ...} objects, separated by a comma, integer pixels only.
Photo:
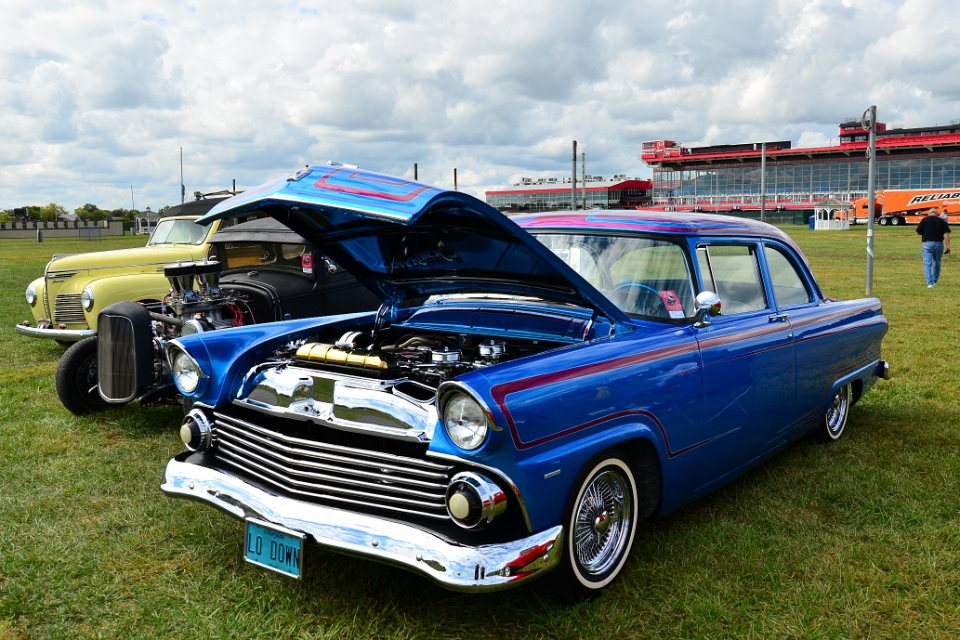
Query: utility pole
[
  {"x": 415, "y": 171},
  {"x": 763, "y": 181},
  {"x": 133, "y": 207},
  {"x": 455, "y": 179},
  {"x": 573, "y": 183},
  {"x": 583, "y": 173},
  {"x": 870, "y": 114},
  {"x": 183, "y": 190}
]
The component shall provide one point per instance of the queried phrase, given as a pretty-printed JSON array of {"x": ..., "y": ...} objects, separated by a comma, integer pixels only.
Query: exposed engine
[
  {"x": 426, "y": 358},
  {"x": 197, "y": 302}
]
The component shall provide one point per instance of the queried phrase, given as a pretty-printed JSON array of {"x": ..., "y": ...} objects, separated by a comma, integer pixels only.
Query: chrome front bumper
[
  {"x": 454, "y": 566},
  {"x": 64, "y": 335}
]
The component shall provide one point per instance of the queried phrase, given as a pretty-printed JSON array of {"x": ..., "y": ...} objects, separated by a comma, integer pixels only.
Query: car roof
[
  {"x": 686, "y": 223},
  {"x": 259, "y": 230},
  {"x": 192, "y": 208}
]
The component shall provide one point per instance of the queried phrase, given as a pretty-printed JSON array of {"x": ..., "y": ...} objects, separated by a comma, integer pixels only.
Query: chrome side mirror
[{"x": 708, "y": 304}]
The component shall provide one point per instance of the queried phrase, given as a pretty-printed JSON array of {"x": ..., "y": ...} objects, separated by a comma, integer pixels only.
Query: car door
[
  {"x": 749, "y": 368},
  {"x": 797, "y": 306}
]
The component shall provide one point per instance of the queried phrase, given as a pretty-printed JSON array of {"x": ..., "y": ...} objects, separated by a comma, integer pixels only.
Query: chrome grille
[
  {"x": 332, "y": 473},
  {"x": 117, "y": 358},
  {"x": 68, "y": 309}
]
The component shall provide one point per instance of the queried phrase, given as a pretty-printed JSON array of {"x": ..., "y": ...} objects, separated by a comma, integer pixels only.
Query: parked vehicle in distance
[
  {"x": 530, "y": 392},
  {"x": 259, "y": 271},
  {"x": 66, "y": 301},
  {"x": 896, "y": 207}
]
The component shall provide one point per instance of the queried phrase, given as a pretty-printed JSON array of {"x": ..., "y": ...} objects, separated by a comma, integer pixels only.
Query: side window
[
  {"x": 788, "y": 287},
  {"x": 733, "y": 273}
]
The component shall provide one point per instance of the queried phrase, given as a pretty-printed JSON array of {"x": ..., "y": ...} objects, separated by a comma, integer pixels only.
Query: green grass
[{"x": 860, "y": 539}]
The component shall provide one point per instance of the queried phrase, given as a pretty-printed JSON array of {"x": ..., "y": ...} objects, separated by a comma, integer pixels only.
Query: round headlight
[
  {"x": 465, "y": 422},
  {"x": 31, "y": 295},
  {"x": 186, "y": 374},
  {"x": 86, "y": 298}
]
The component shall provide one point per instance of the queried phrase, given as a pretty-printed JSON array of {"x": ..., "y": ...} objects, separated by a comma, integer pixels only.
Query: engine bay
[{"x": 428, "y": 358}]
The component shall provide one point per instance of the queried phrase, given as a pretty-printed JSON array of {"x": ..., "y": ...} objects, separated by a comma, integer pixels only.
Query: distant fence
[
  {"x": 90, "y": 233},
  {"x": 93, "y": 230}
]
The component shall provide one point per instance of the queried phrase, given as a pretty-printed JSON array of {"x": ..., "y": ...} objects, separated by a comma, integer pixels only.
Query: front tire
[
  {"x": 601, "y": 522},
  {"x": 77, "y": 378},
  {"x": 835, "y": 418}
]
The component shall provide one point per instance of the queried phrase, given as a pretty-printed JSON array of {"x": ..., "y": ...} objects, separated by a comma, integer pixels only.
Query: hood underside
[{"x": 405, "y": 240}]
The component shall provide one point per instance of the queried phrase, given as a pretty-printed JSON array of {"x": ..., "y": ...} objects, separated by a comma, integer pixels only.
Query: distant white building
[{"x": 146, "y": 221}]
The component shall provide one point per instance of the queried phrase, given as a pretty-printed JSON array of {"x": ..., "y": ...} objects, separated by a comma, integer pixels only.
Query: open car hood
[{"x": 404, "y": 239}]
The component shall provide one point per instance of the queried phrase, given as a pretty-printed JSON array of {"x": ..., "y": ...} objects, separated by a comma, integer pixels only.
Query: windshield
[
  {"x": 641, "y": 276},
  {"x": 178, "y": 232}
]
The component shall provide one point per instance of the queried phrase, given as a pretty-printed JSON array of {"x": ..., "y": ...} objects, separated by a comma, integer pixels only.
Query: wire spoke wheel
[
  {"x": 602, "y": 522},
  {"x": 835, "y": 418}
]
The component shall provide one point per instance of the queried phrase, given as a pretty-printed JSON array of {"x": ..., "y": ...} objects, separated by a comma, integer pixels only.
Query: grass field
[{"x": 860, "y": 539}]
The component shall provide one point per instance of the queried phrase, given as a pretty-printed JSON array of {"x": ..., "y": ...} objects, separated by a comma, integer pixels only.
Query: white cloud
[{"x": 100, "y": 95}]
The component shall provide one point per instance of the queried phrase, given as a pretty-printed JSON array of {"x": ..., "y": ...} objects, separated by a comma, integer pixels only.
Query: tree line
[{"x": 53, "y": 212}]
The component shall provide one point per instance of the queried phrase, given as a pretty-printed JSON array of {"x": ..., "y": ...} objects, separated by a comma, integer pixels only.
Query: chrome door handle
[{"x": 779, "y": 317}]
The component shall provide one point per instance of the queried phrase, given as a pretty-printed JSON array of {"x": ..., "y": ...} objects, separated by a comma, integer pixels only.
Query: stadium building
[
  {"x": 550, "y": 194},
  {"x": 726, "y": 178}
]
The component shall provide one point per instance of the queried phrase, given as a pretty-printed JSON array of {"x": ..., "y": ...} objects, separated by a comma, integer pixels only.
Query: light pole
[
  {"x": 763, "y": 181},
  {"x": 869, "y": 121},
  {"x": 573, "y": 181}
]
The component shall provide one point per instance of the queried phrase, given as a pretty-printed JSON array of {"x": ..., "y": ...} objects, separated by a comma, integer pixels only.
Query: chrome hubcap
[
  {"x": 602, "y": 522},
  {"x": 837, "y": 411}
]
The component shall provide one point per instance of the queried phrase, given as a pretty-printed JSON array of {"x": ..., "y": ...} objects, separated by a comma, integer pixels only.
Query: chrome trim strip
[
  {"x": 455, "y": 566},
  {"x": 66, "y": 335}
]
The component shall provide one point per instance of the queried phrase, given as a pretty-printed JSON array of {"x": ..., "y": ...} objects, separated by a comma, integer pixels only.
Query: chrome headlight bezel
[
  {"x": 87, "y": 299},
  {"x": 184, "y": 369},
  {"x": 471, "y": 427},
  {"x": 31, "y": 295}
]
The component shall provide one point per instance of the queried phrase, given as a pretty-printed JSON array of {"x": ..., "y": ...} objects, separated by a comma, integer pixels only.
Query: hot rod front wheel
[
  {"x": 601, "y": 521},
  {"x": 77, "y": 378}
]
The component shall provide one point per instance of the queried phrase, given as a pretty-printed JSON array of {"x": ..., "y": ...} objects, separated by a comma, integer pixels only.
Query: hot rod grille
[
  {"x": 334, "y": 474},
  {"x": 68, "y": 308},
  {"x": 116, "y": 355}
]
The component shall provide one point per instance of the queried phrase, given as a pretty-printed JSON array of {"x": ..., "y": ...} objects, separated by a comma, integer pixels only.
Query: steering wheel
[{"x": 642, "y": 304}]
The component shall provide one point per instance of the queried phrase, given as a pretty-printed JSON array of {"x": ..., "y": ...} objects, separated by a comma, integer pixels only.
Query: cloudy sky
[{"x": 99, "y": 95}]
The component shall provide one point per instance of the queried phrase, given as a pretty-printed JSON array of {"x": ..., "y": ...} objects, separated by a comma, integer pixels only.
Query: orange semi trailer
[{"x": 905, "y": 206}]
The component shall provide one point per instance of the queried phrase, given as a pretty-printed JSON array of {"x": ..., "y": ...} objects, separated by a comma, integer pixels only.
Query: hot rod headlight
[
  {"x": 31, "y": 295},
  {"x": 186, "y": 372},
  {"x": 465, "y": 421},
  {"x": 86, "y": 298}
]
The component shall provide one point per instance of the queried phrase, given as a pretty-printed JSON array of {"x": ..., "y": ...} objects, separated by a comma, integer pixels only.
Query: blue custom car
[{"x": 530, "y": 391}]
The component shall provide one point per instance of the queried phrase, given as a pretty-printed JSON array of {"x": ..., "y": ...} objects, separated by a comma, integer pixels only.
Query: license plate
[{"x": 275, "y": 548}]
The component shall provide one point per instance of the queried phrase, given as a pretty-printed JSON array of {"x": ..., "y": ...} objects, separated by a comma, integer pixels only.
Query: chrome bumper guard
[
  {"x": 883, "y": 370},
  {"x": 458, "y": 567},
  {"x": 65, "y": 335}
]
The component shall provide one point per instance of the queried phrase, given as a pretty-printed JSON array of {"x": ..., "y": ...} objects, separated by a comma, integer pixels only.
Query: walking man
[{"x": 935, "y": 235}]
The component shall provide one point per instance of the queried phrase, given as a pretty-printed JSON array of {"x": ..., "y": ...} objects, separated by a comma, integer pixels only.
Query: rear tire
[
  {"x": 600, "y": 522},
  {"x": 835, "y": 418},
  {"x": 896, "y": 221},
  {"x": 884, "y": 222},
  {"x": 77, "y": 385}
]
